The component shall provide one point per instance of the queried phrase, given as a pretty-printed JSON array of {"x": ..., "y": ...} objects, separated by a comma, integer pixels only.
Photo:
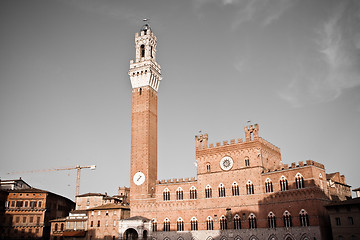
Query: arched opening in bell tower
[{"x": 142, "y": 50}]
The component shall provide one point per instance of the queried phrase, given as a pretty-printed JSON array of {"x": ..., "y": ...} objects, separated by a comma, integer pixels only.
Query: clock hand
[{"x": 139, "y": 178}]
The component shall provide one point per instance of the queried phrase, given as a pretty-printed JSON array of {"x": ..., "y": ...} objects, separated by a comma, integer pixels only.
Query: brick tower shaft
[{"x": 145, "y": 76}]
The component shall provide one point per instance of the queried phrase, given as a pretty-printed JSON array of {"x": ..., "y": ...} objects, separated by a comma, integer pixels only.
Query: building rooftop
[
  {"x": 109, "y": 206},
  {"x": 353, "y": 201}
]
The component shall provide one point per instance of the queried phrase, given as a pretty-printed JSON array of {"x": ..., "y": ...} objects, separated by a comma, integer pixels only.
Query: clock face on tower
[
  {"x": 139, "y": 178},
  {"x": 226, "y": 163}
]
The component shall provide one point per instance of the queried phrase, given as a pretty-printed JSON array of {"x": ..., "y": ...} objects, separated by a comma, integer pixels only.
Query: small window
[
  {"x": 99, "y": 213},
  {"x": 249, "y": 187},
  {"x": 284, "y": 184},
  {"x": 351, "y": 220},
  {"x": 304, "y": 218},
  {"x": 98, "y": 224},
  {"x": 166, "y": 194},
  {"x": 180, "y": 224},
  {"x": 208, "y": 167},
  {"x": 338, "y": 221},
  {"x": 179, "y": 194},
  {"x": 107, "y": 213},
  {"x": 221, "y": 190},
  {"x": 268, "y": 185},
  {"x": 194, "y": 224},
  {"x": 223, "y": 223},
  {"x": 237, "y": 222},
  {"x": 299, "y": 179},
  {"x": 154, "y": 225},
  {"x": 193, "y": 193},
  {"x": 208, "y": 192},
  {"x": 287, "y": 219},
  {"x": 142, "y": 50},
  {"x": 252, "y": 221},
  {"x": 166, "y": 225},
  {"x": 235, "y": 189},
  {"x": 271, "y": 220},
  {"x": 209, "y": 223},
  {"x": 247, "y": 162}
]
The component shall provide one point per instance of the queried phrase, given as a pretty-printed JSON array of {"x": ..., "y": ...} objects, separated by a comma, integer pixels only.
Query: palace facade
[{"x": 242, "y": 189}]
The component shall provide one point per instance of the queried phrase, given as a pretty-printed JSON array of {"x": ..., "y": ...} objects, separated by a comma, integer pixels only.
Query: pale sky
[{"x": 292, "y": 66}]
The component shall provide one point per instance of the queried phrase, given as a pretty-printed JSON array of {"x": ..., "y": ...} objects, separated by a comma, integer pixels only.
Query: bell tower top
[{"x": 145, "y": 71}]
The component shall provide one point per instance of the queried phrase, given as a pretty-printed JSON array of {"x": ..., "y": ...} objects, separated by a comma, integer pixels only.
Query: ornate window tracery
[
  {"x": 299, "y": 179},
  {"x": 249, "y": 187},
  {"x": 166, "y": 194},
  {"x": 235, "y": 189},
  {"x": 304, "y": 218},
  {"x": 179, "y": 194},
  {"x": 284, "y": 184},
  {"x": 268, "y": 185},
  {"x": 209, "y": 223},
  {"x": 237, "y": 222},
  {"x": 208, "y": 192},
  {"x": 287, "y": 219}
]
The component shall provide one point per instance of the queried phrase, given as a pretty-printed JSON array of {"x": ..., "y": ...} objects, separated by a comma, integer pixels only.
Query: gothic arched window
[
  {"x": 284, "y": 184},
  {"x": 223, "y": 223},
  {"x": 235, "y": 189},
  {"x": 179, "y": 194},
  {"x": 287, "y": 219},
  {"x": 166, "y": 194},
  {"x": 194, "y": 224},
  {"x": 193, "y": 193},
  {"x": 180, "y": 224},
  {"x": 249, "y": 187},
  {"x": 268, "y": 185},
  {"x": 304, "y": 218},
  {"x": 299, "y": 179},
  {"x": 209, "y": 223},
  {"x": 166, "y": 225},
  {"x": 154, "y": 225},
  {"x": 237, "y": 222},
  {"x": 252, "y": 221},
  {"x": 271, "y": 220},
  {"x": 221, "y": 190},
  {"x": 208, "y": 192}
]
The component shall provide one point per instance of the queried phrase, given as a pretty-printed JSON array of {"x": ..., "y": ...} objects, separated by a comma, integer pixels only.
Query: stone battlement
[
  {"x": 251, "y": 133},
  {"x": 295, "y": 165},
  {"x": 176, "y": 180}
]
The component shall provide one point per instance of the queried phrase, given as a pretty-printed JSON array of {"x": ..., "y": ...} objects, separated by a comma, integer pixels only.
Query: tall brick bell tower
[{"x": 145, "y": 76}]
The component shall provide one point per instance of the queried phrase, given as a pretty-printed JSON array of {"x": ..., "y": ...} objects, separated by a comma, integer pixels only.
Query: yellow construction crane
[{"x": 77, "y": 167}]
